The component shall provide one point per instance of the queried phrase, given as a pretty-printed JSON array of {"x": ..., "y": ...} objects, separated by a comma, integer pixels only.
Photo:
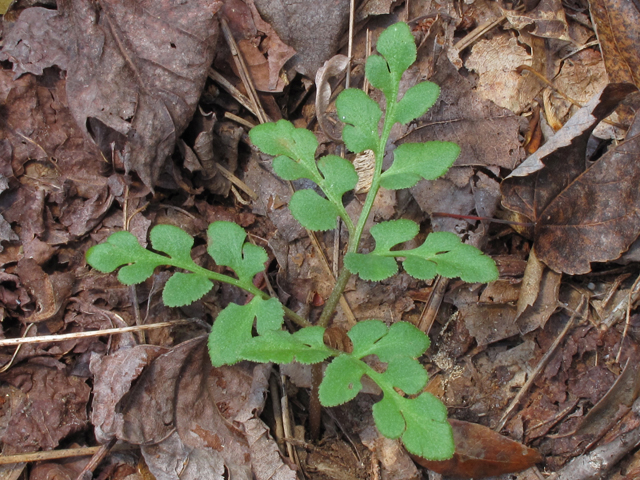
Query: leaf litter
[{"x": 92, "y": 91}]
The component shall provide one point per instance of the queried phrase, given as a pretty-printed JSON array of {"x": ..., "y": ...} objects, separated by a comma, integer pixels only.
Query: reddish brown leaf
[
  {"x": 481, "y": 452},
  {"x": 581, "y": 216},
  {"x": 52, "y": 405},
  {"x": 618, "y": 29}
]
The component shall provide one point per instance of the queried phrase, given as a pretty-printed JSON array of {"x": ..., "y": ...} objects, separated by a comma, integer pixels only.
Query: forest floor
[{"x": 122, "y": 117}]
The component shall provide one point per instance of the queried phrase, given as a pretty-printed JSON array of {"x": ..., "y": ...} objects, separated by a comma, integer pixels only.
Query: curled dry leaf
[
  {"x": 481, "y": 452},
  {"x": 331, "y": 68}
]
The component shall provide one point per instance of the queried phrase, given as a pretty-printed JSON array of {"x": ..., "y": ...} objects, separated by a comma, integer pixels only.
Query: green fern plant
[{"x": 404, "y": 411}]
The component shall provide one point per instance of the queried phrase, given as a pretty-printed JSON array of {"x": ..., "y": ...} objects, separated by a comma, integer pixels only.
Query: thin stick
[
  {"x": 240, "y": 97},
  {"x": 55, "y": 454},
  {"x": 432, "y": 306},
  {"x": 244, "y": 72},
  {"x": 240, "y": 120},
  {"x": 541, "y": 365},
  {"x": 478, "y": 32},
  {"x": 352, "y": 14},
  {"x": 95, "y": 333}
]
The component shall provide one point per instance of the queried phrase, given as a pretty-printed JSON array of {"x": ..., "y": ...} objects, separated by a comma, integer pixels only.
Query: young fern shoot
[{"x": 405, "y": 411}]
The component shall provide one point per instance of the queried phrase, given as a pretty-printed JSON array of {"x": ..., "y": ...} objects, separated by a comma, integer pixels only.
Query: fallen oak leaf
[{"x": 481, "y": 452}]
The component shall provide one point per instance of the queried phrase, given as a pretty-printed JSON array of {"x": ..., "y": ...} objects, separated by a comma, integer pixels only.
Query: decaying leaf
[
  {"x": 595, "y": 209},
  {"x": 204, "y": 418},
  {"x": 134, "y": 74},
  {"x": 618, "y": 29},
  {"x": 331, "y": 68},
  {"x": 481, "y": 452},
  {"x": 52, "y": 405}
]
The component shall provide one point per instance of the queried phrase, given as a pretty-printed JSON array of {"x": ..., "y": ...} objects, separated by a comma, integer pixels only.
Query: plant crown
[{"x": 405, "y": 410}]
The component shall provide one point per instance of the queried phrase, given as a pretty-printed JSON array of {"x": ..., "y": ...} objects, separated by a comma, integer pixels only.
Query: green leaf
[
  {"x": 370, "y": 267},
  {"x": 388, "y": 418},
  {"x": 341, "y": 381},
  {"x": 282, "y": 138},
  {"x": 288, "y": 169},
  {"x": 232, "y": 330},
  {"x": 173, "y": 241},
  {"x": 122, "y": 248},
  {"x": 228, "y": 248},
  {"x": 119, "y": 249},
  {"x": 374, "y": 267},
  {"x": 361, "y": 114},
  {"x": 313, "y": 211},
  {"x": 137, "y": 272},
  {"x": 402, "y": 340},
  {"x": 428, "y": 433},
  {"x": 415, "y": 161},
  {"x": 339, "y": 174},
  {"x": 377, "y": 72},
  {"x": 389, "y": 234},
  {"x": 407, "y": 374},
  {"x": 364, "y": 334},
  {"x": 185, "y": 288},
  {"x": 305, "y": 346},
  {"x": 451, "y": 258},
  {"x": 416, "y": 101},
  {"x": 397, "y": 45}
]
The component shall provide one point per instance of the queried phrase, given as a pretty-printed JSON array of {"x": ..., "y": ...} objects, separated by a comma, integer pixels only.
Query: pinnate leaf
[
  {"x": 397, "y": 45},
  {"x": 371, "y": 267},
  {"x": 232, "y": 330},
  {"x": 228, "y": 248},
  {"x": 387, "y": 235},
  {"x": 313, "y": 211},
  {"x": 402, "y": 339},
  {"x": 428, "y": 433},
  {"x": 185, "y": 288},
  {"x": 416, "y": 101},
  {"x": 341, "y": 381},
  {"x": 232, "y": 340},
  {"x": 305, "y": 346},
  {"x": 378, "y": 74},
  {"x": 451, "y": 257},
  {"x": 173, "y": 241},
  {"x": 361, "y": 114},
  {"x": 282, "y": 138},
  {"x": 415, "y": 161},
  {"x": 339, "y": 174},
  {"x": 288, "y": 169},
  {"x": 442, "y": 253},
  {"x": 122, "y": 248},
  {"x": 407, "y": 374}
]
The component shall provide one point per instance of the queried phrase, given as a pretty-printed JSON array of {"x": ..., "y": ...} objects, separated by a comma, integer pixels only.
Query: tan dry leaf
[{"x": 331, "y": 68}]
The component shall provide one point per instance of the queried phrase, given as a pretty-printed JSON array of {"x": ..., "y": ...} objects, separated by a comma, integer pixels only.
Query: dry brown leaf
[
  {"x": 134, "y": 73},
  {"x": 581, "y": 216},
  {"x": 331, "y": 68},
  {"x": 538, "y": 296},
  {"x": 617, "y": 25},
  {"x": 50, "y": 405},
  {"x": 481, "y": 452}
]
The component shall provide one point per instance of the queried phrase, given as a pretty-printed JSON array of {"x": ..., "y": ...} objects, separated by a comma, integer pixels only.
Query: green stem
[
  {"x": 248, "y": 287},
  {"x": 356, "y": 235},
  {"x": 334, "y": 298}
]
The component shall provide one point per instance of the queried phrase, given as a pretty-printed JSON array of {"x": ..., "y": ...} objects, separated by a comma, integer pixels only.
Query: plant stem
[{"x": 334, "y": 298}]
